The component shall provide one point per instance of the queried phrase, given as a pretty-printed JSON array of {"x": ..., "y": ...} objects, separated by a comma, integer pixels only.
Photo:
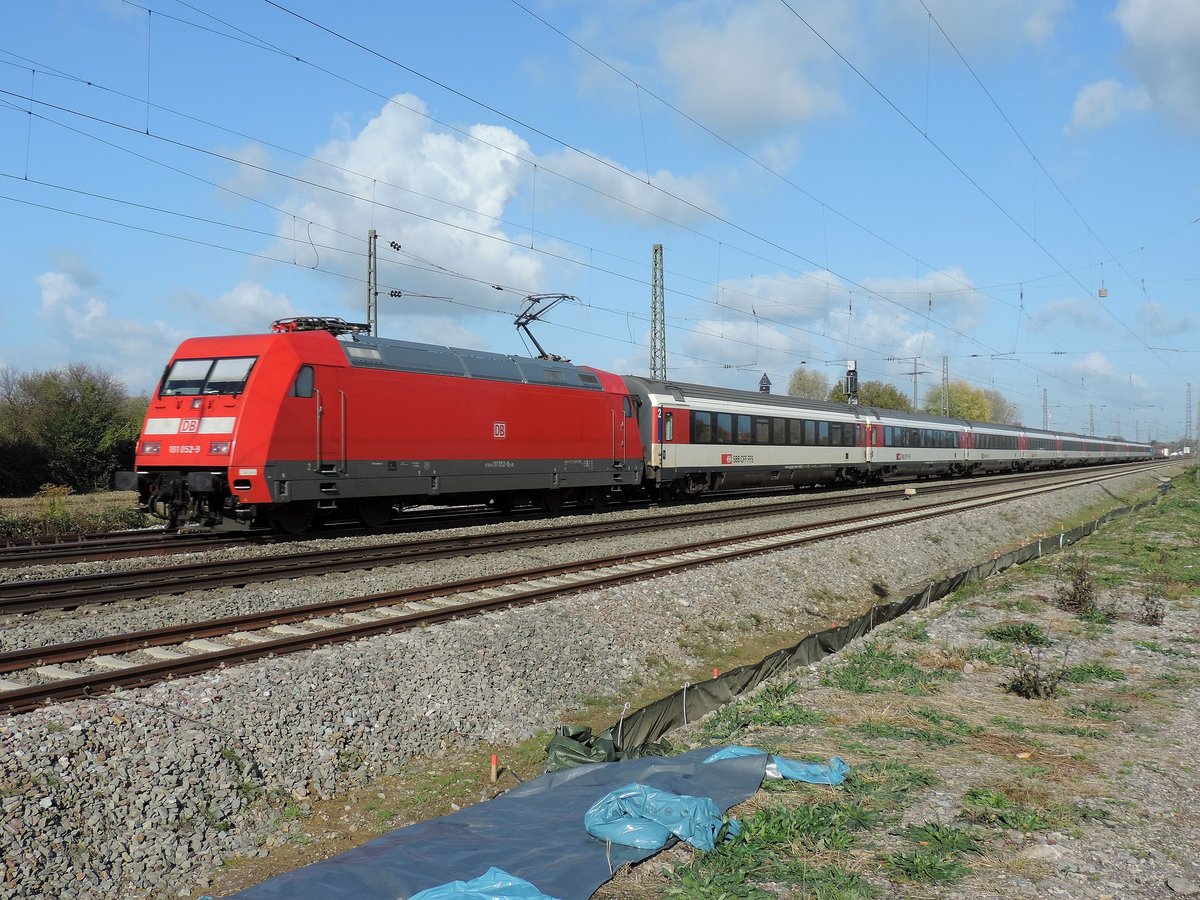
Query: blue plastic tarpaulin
[
  {"x": 637, "y": 815},
  {"x": 494, "y": 884},
  {"x": 832, "y": 773}
]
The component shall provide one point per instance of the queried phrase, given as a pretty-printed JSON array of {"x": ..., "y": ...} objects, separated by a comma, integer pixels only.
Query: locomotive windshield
[{"x": 207, "y": 376}]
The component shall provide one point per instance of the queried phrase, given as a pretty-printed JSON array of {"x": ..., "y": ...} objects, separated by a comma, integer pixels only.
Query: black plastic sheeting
[{"x": 535, "y": 831}]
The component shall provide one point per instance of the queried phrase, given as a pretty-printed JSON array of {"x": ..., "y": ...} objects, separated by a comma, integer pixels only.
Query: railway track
[
  {"x": 25, "y": 596},
  {"x": 149, "y": 656},
  {"x": 99, "y": 547}
]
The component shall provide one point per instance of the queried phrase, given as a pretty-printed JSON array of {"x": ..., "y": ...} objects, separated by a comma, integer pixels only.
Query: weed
[
  {"x": 213, "y": 818},
  {"x": 993, "y": 656},
  {"x": 1078, "y": 596},
  {"x": 1100, "y": 709},
  {"x": 1152, "y": 611},
  {"x": 292, "y": 812},
  {"x": 876, "y": 667},
  {"x": 985, "y": 806},
  {"x": 1033, "y": 678},
  {"x": 1156, "y": 647},
  {"x": 924, "y": 866},
  {"x": 1079, "y": 593},
  {"x": 940, "y": 838},
  {"x": 886, "y": 785},
  {"x": 1092, "y": 671},
  {"x": 1099, "y": 615},
  {"x": 946, "y": 721},
  {"x": 771, "y": 706},
  {"x": 916, "y": 632},
  {"x": 817, "y": 826},
  {"x": 1028, "y": 633},
  {"x": 821, "y": 882},
  {"x": 699, "y": 881}
]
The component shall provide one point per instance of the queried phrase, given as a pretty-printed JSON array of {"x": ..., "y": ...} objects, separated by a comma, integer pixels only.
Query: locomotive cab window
[
  {"x": 207, "y": 376},
  {"x": 303, "y": 385}
]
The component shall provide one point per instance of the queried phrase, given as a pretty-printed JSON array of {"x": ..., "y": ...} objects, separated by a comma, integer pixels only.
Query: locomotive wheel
[
  {"x": 552, "y": 502},
  {"x": 294, "y": 518},
  {"x": 373, "y": 511}
]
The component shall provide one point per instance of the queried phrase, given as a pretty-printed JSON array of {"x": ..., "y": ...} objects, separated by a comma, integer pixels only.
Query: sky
[{"x": 1007, "y": 190}]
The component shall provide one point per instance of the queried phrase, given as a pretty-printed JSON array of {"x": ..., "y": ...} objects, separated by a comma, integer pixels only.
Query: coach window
[
  {"x": 835, "y": 433},
  {"x": 810, "y": 433},
  {"x": 303, "y": 385},
  {"x": 701, "y": 427},
  {"x": 743, "y": 429},
  {"x": 795, "y": 432},
  {"x": 823, "y": 434},
  {"x": 762, "y": 430},
  {"x": 724, "y": 433},
  {"x": 668, "y": 426},
  {"x": 779, "y": 431}
]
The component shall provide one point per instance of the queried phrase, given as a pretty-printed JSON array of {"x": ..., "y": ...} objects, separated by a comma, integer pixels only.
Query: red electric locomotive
[{"x": 317, "y": 416}]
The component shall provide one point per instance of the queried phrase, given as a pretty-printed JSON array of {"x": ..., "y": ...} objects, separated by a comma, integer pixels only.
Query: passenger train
[{"x": 318, "y": 418}]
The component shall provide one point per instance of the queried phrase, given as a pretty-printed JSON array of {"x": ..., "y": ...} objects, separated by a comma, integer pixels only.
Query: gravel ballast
[{"x": 145, "y": 793}]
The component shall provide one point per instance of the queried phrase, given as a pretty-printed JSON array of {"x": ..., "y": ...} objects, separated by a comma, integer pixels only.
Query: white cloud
[
  {"x": 623, "y": 194},
  {"x": 999, "y": 26},
  {"x": 441, "y": 195},
  {"x": 1095, "y": 365},
  {"x": 248, "y": 307},
  {"x": 1072, "y": 313},
  {"x": 250, "y": 177},
  {"x": 1103, "y": 103},
  {"x": 750, "y": 69},
  {"x": 1163, "y": 50},
  {"x": 1157, "y": 320},
  {"x": 79, "y": 321}
]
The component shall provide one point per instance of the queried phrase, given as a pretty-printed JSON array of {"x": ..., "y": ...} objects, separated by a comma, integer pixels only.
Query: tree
[
  {"x": 1003, "y": 412},
  {"x": 809, "y": 384},
  {"x": 879, "y": 394},
  {"x": 72, "y": 426},
  {"x": 966, "y": 402}
]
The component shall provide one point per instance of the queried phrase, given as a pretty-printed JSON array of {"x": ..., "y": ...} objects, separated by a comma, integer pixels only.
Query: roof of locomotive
[{"x": 432, "y": 359}]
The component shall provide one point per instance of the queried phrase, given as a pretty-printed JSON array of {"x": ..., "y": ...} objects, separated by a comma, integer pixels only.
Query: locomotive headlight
[
  {"x": 150, "y": 447},
  {"x": 219, "y": 448}
]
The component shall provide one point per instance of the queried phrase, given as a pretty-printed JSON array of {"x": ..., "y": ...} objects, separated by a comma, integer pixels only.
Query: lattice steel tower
[
  {"x": 658, "y": 319},
  {"x": 946, "y": 386},
  {"x": 1187, "y": 421},
  {"x": 1045, "y": 411}
]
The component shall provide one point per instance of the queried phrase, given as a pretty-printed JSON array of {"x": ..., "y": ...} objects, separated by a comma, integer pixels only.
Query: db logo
[
  {"x": 499, "y": 430},
  {"x": 727, "y": 459},
  {"x": 189, "y": 426}
]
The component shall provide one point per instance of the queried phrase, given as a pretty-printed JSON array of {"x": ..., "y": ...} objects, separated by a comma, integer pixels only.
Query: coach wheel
[
  {"x": 373, "y": 511},
  {"x": 552, "y": 502},
  {"x": 294, "y": 518}
]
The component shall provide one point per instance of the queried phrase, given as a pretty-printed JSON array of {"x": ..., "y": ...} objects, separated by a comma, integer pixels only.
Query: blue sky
[{"x": 893, "y": 181}]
